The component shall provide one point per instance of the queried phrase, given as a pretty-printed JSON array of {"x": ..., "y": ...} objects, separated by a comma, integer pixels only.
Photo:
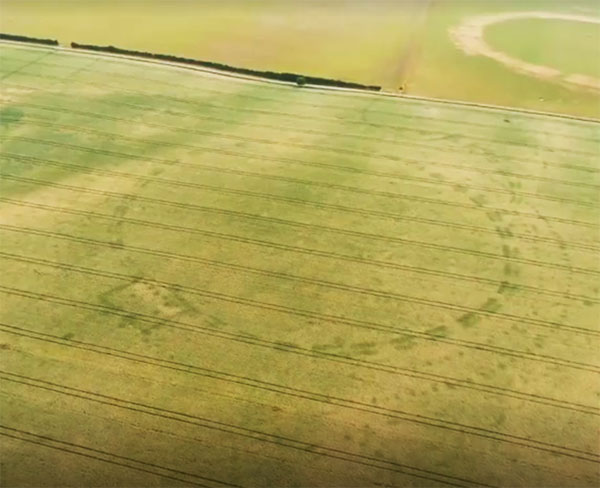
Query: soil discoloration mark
[{"x": 469, "y": 37}]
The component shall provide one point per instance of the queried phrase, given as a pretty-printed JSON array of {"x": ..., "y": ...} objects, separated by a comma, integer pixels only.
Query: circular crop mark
[{"x": 468, "y": 37}]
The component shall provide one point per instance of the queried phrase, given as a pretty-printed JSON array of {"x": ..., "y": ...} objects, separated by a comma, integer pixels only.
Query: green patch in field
[
  {"x": 504, "y": 232},
  {"x": 469, "y": 319},
  {"x": 404, "y": 342},
  {"x": 507, "y": 287},
  {"x": 511, "y": 269},
  {"x": 364, "y": 348},
  {"x": 151, "y": 299},
  {"x": 479, "y": 199},
  {"x": 570, "y": 47},
  {"x": 10, "y": 115},
  {"x": 491, "y": 305},
  {"x": 337, "y": 345},
  {"x": 440, "y": 331}
]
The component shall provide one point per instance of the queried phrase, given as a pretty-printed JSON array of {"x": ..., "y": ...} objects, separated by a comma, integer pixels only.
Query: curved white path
[{"x": 469, "y": 37}]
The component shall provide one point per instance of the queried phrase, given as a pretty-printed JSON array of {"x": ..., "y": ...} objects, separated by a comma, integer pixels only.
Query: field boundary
[
  {"x": 32, "y": 40},
  {"x": 320, "y": 88},
  {"x": 297, "y": 78}
]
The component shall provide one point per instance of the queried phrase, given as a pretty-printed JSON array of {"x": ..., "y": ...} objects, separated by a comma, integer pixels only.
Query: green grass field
[
  {"x": 393, "y": 44},
  {"x": 546, "y": 47},
  {"x": 215, "y": 282}
]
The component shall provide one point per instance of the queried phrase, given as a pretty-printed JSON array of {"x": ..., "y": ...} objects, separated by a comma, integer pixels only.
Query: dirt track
[{"x": 468, "y": 37}]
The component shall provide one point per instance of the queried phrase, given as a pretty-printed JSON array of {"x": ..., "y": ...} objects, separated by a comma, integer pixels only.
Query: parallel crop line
[
  {"x": 324, "y": 283},
  {"x": 351, "y": 136},
  {"x": 406, "y": 268},
  {"x": 24, "y": 65},
  {"x": 399, "y": 114},
  {"x": 431, "y": 181},
  {"x": 109, "y": 455},
  {"x": 316, "y": 252},
  {"x": 274, "y": 387},
  {"x": 300, "y": 351},
  {"x": 402, "y": 115},
  {"x": 288, "y": 310},
  {"x": 455, "y": 149},
  {"x": 254, "y": 434},
  {"x": 279, "y": 439},
  {"x": 113, "y": 74},
  {"x": 421, "y": 199},
  {"x": 321, "y": 398},
  {"x": 42, "y": 122},
  {"x": 274, "y": 87},
  {"x": 403, "y": 159},
  {"x": 342, "y": 208},
  {"x": 89, "y": 456},
  {"x": 254, "y": 383}
]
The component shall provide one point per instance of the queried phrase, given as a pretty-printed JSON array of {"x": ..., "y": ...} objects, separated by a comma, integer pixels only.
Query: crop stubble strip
[
  {"x": 340, "y": 286},
  {"x": 284, "y": 389},
  {"x": 145, "y": 80},
  {"x": 227, "y": 428},
  {"x": 262, "y": 243},
  {"x": 107, "y": 457},
  {"x": 328, "y": 206}
]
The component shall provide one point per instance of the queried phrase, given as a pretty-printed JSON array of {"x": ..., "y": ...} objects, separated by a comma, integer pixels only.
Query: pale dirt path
[{"x": 468, "y": 37}]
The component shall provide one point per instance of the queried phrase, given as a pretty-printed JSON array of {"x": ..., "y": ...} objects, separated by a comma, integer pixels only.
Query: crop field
[
  {"x": 219, "y": 282},
  {"x": 544, "y": 47},
  {"x": 398, "y": 44}
]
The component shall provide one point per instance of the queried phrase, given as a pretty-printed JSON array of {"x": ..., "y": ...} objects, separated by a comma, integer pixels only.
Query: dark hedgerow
[
  {"x": 34, "y": 40},
  {"x": 272, "y": 75}
]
